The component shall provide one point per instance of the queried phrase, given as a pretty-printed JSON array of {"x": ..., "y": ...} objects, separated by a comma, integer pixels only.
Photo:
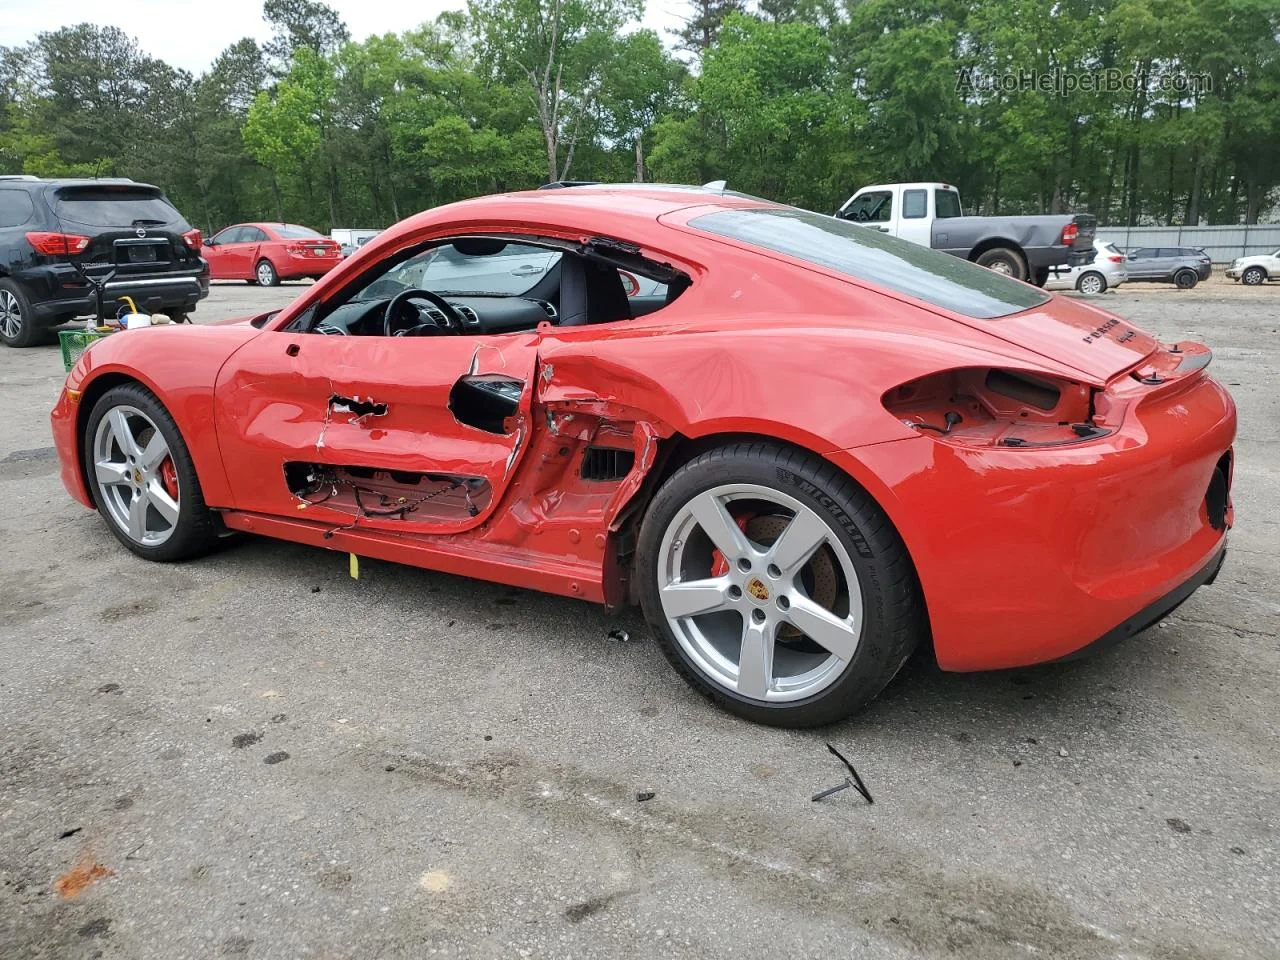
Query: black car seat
[{"x": 590, "y": 292}]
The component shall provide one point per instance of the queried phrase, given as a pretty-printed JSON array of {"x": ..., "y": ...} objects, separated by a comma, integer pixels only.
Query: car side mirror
[{"x": 210, "y": 243}]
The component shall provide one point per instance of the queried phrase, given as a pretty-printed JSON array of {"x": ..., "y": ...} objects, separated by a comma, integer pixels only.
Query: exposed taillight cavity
[
  {"x": 1116, "y": 259},
  {"x": 193, "y": 239},
  {"x": 1069, "y": 233},
  {"x": 57, "y": 244},
  {"x": 992, "y": 407}
]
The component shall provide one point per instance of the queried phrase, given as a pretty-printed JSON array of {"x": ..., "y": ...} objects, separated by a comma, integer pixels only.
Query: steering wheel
[{"x": 452, "y": 319}]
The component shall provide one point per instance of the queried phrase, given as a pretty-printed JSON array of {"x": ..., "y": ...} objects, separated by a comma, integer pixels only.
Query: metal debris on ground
[
  {"x": 619, "y": 635},
  {"x": 644, "y": 795},
  {"x": 853, "y": 780}
]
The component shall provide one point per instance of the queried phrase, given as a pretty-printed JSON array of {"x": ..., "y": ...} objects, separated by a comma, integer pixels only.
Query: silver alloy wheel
[
  {"x": 755, "y": 629},
  {"x": 10, "y": 314},
  {"x": 1001, "y": 266},
  {"x": 266, "y": 273},
  {"x": 1090, "y": 283},
  {"x": 128, "y": 453},
  {"x": 1253, "y": 276}
]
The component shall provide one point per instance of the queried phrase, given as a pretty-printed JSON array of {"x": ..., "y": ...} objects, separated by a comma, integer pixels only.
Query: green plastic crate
[{"x": 76, "y": 342}]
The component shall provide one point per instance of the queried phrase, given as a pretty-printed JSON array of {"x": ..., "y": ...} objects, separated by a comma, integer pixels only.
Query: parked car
[
  {"x": 1184, "y": 267},
  {"x": 785, "y": 460},
  {"x": 1025, "y": 248},
  {"x": 267, "y": 253},
  {"x": 1105, "y": 273},
  {"x": 1256, "y": 269},
  {"x": 52, "y": 229},
  {"x": 350, "y": 240}
]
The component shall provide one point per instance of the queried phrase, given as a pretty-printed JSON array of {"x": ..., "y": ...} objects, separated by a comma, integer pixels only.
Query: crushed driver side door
[{"x": 413, "y": 434}]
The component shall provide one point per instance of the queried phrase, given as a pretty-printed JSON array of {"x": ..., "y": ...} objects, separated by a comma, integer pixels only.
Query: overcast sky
[{"x": 190, "y": 34}]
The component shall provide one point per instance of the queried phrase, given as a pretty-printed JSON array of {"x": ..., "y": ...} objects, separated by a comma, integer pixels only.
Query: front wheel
[
  {"x": 143, "y": 479},
  {"x": 777, "y": 587},
  {"x": 266, "y": 274},
  {"x": 1092, "y": 283},
  {"x": 1253, "y": 276}
]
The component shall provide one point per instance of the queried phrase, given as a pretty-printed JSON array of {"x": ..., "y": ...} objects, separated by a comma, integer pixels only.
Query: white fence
[{"x": 1223, "y": 244}]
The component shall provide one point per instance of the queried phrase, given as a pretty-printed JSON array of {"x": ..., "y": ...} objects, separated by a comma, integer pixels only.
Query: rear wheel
[
  {"x": 777, "y": 587},
  {"x": 1003, "y": 260},
  {"x": 1092, "y": 283},
  {"x": 1185, "y": 279},
  {"x": 1253, "y": 276},
  {"x": 18, "y": 327},
  {"x": 266, "y": 274},
  {"x": 143, "y": 479}
]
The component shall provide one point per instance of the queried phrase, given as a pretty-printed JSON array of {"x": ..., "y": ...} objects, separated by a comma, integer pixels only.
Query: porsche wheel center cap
[{"x": 757, "y": 589}]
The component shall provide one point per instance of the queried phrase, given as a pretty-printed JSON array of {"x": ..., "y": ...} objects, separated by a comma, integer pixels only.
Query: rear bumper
[
  {"x": 59, "y": 293},
  {"x": 1154, "y": 612},
  {"x": 295, "y": 268},
  {"x": 1046, "y": 258},
  {"x": 1027, "y": 556}
]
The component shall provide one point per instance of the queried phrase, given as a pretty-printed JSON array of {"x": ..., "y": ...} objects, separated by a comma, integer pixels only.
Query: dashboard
[{"x": 364, "y": 318}]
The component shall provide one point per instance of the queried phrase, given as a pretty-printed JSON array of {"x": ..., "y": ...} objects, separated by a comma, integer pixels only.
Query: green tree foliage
[{"x": 800, "y": 100}]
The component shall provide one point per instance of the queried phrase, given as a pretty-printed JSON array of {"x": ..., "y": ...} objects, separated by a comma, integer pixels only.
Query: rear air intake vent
[{"x": 605, "y": 463}]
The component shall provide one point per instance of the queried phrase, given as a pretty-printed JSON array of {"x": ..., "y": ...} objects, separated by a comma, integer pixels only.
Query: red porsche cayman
[{"x": 808, "y": 448}]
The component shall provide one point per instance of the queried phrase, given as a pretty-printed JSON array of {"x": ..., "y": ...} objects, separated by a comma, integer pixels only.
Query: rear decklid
[
  {"x": 130, "y": 226},
  {"x": 1091, "y": 340}
]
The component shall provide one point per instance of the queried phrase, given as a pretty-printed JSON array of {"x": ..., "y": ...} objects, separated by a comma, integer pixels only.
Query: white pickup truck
[{"x": 929, "y": 214}]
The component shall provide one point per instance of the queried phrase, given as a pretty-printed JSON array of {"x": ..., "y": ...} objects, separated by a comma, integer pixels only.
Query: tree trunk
[
  {"x": 1253, "y": 199},
  {"x": 639, "y": 158},
  {"x": 552, "y": 160},
  {"x": 332, "y": 184},
  {"x": 275, "y": 193},
  {"x": 391, "y": 185},
  {"x": 1192, "y": 218}
]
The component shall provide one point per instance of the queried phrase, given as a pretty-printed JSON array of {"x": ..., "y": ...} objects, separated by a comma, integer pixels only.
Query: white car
[
  {"x": 1106, "y": 272},
  {"x": 1256, "y": 270}
]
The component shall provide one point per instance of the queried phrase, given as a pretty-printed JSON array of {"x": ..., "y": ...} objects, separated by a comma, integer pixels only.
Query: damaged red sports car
[{"x": 803, "y": 447}]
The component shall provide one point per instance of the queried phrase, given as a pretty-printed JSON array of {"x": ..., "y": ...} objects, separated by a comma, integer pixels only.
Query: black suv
[{"x": 126, "y": 232}]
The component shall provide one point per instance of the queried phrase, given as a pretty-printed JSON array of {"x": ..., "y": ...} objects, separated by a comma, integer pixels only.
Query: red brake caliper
[
  {"x": 169, "y": 477},
  {"x": 719, "y": 563}
]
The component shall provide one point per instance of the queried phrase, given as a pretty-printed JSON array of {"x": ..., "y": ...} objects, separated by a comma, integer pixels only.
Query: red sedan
[
  {"x": 810, "y": 449},
  {"x": 267, "y": 253}
]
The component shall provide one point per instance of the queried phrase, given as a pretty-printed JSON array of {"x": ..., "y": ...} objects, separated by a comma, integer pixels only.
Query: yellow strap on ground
[{"x": 354, "y": 567}]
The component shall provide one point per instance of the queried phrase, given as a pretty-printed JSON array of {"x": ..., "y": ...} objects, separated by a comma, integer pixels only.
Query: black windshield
[{"x": 865, "y": 253}]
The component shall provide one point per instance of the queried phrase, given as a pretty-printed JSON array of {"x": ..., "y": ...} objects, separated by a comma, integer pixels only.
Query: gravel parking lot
[{"x": 256, "y": 756}]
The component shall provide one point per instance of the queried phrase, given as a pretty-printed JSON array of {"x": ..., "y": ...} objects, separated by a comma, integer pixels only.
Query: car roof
[
  {"x": 647, "y": 201},
  {"x": 78, "y": 181}
]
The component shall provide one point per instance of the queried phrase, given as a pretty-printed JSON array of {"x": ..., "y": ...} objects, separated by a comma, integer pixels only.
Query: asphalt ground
[{"x": 253, "y": 755}]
